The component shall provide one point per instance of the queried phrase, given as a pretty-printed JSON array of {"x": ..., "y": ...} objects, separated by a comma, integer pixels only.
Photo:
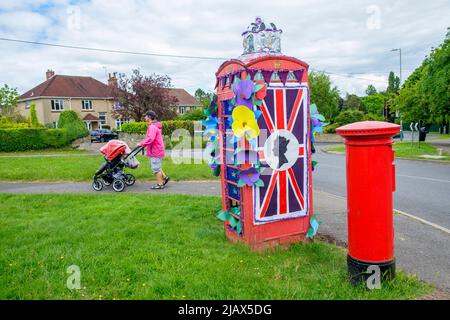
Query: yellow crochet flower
[{"x": 244, "y": 122}]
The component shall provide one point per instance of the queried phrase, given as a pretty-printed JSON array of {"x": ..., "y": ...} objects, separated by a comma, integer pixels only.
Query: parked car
[{"x": 103, "y": 135}]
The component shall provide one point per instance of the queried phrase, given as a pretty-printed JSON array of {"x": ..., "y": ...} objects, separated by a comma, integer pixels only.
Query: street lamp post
[{"x": 400, "y": 52}]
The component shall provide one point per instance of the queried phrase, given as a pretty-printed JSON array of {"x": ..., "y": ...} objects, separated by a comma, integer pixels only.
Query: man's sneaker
[
  {"x": 166, "y": 179},
  {"x": 158, "y": 186}
]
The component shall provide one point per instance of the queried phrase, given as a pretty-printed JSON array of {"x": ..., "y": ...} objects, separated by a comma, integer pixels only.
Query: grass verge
[
  {"x": 145, "y": 247},
  {"x": 404, "y": 150},
  {"x": 82, "y": 168}
]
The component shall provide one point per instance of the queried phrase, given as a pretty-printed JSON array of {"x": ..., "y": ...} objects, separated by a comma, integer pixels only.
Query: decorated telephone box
[{"x": 263, "y": 145}]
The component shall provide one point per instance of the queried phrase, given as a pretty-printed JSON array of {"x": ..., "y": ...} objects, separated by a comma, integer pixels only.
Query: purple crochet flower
[
  {"x": 315, "y": 122},
  {"x": 243, "y": 91},
  {"x": 249, "y": 176}
]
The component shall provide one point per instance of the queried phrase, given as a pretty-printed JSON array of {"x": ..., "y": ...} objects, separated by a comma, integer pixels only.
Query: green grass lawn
[
  {"x": 403, "y": 150},
  {"x": 69, "y": 167},
  {"x": 440, "y": 137},
  {"x": 145, "y": 247},
  {"x": 49, "y": 151}
]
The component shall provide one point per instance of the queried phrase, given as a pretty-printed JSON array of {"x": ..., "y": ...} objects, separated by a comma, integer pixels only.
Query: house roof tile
[
  {"x": 69, "y": 86},
  {"x": 184, "y": 98}
]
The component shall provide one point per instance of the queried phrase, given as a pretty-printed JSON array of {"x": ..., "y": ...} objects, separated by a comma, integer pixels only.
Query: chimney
[
  {"x": 49, "y": 73},
  {"x": 112, "y": 81}
]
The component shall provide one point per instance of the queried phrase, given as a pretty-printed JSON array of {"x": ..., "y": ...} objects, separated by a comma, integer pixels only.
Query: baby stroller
[{"x": 118, "y": 156}]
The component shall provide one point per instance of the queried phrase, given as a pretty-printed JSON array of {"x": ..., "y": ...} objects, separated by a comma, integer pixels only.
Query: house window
[
  {"x": 57, "y": 105},
  {"x": 102, "y": 117},
  {"x": 181, "y": 110},
  {"x": 27, "y": 105},
  {"x": 86, "y": 105},
  {"x": 119, "y": 122}
]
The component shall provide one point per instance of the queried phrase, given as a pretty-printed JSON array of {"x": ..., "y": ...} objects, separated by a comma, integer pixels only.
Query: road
[{"x": 423, "y": 187}]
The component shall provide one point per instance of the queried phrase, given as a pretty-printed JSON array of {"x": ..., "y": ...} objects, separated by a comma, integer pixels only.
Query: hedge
[
  {"x": 168, "y": 127},
  {"x": 22, "y": 139}
]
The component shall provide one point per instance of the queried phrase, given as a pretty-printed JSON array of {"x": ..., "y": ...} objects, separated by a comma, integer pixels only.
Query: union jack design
[{"x": 285, "y": 191}]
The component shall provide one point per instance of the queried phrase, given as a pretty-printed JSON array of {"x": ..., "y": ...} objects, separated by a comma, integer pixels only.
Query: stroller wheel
[
  {"x": 97, "y": 185},
  {"x": 130, "y": 179},
  {"x": 106, "y": 182},
  {"x": 118, "y": 185}
]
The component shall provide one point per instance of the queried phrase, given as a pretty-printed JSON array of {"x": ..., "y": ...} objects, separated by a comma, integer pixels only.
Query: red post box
[{"x": 370, "y": 184}]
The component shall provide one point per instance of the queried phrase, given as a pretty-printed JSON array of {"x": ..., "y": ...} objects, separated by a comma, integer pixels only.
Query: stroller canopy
[{"x": 114, "y": 148}]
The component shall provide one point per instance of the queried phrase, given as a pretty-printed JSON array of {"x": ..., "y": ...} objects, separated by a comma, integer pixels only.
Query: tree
[
  {"x": 194, "y": 115},
  {"x": 393, "y": 83},
  {"x": 76, "y": 128},
  {"x": 371, "y": 90},
  {"x": 8, "y": 100},
  {"x": 324, "y": 95},
  {"x": 435, "y": 84},
  {"x": 349, "y": 116},
  {"x": 425, "y": 95},
  {"x": 374, "y": 103},
  {"x": 138, "y": 94},
  {"x": 33, "y": 116},
  {"x": 202, "y": 97},
  {"x": 353, "y": 102}
]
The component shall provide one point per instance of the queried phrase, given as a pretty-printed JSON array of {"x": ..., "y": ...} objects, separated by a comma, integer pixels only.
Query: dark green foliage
[
  {"x": 374, "y": 103},
  {"x": 350, "y": 116},
  {"x": 425, "y": 95},
  {"x": 75, "y": 126},
  {"x": 8, "y": 100},
  {"x": 32, "y": 139},
  {"x": 324, "y": 95},
  {"x": 33, "y": 116},
  {"x": 353, "y": 102},
  {"x": 371, "y": 90},
  {"x": 168, "y": 127},
  {"x": 194, "y": 115}
]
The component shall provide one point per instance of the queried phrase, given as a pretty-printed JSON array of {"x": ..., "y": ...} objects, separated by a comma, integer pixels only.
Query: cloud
[{"x": 351, "y": 38}]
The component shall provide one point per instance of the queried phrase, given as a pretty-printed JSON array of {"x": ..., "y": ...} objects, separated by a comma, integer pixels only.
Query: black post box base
[{"x": 359, "y": 272}]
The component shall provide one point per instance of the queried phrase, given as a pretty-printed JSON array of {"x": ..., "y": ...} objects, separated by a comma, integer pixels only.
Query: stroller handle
[{"x": 135, "y": 151}]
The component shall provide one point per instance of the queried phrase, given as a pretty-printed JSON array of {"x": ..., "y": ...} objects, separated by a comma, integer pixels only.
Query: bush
[
  {"x": 22, "y": 139},
  {"x": 331, "y": 128},
  {"x": 6, "y": 123},
  {"x": 374, "y": 117},
  {"x": 33, "y": 116},
  {"x": 194, "y": 115},
  {"x": 75, "y": 126},
  {"x": 168, "y": 127},
  {"x": 349, "y": 116}
]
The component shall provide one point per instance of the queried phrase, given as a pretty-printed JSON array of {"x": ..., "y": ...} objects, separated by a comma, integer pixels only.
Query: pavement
[
  {"x": 419, "y": 248},
  {"x": 443, "y": 144}
]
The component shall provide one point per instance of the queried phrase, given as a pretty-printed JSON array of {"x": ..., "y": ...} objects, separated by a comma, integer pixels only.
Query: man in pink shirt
[{"x": 155, "y": 149}]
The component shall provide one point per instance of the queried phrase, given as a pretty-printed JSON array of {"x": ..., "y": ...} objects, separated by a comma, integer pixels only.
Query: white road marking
[
  {"x": 423, "y": 178},
  {"x": 431, "y": 224},
  {"x": 398, "y": 175}
]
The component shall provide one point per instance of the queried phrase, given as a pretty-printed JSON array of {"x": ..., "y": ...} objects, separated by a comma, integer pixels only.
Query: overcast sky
[{"x": 350, "y": 38}]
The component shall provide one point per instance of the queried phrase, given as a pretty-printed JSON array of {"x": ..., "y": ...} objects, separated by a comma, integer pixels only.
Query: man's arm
[{"x": 149, "y": 138}]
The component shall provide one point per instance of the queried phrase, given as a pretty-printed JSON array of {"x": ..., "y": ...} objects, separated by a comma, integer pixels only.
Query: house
[
  {"x": 90, "y": 98},
  {"x": 186, "y": 102}
]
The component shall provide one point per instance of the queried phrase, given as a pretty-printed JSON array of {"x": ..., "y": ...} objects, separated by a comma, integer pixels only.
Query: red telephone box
[{"x": 279, "y": 212}]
